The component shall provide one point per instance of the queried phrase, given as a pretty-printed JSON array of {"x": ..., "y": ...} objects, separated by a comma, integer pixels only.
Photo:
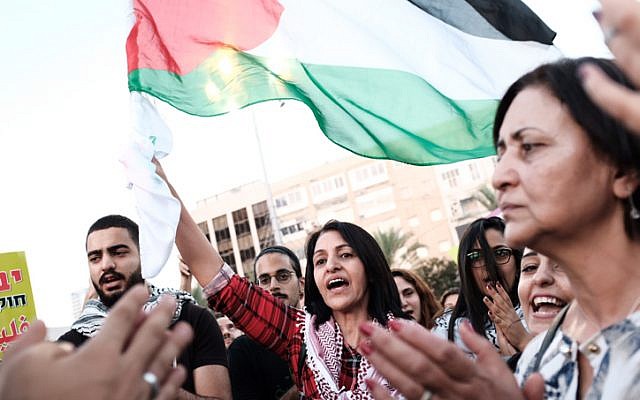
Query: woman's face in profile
[{"x": 549, "y": 179}]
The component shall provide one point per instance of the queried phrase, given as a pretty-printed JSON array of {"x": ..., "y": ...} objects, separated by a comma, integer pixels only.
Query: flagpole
[{"x": 275, "y": 226}]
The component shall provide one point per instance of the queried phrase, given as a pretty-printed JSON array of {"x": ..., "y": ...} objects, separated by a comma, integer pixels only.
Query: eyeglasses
[
  {"x": 502, "y": 255},
  {"x": 282, "y": 276}
]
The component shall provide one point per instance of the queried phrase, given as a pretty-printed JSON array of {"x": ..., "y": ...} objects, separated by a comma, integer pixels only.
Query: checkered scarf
[{"x": 94, "y": 312}]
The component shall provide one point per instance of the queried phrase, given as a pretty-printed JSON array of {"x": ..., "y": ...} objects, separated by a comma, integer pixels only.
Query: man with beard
[
  {"x": 256, "y": 372},
  {"x": 113, "y": 253}
]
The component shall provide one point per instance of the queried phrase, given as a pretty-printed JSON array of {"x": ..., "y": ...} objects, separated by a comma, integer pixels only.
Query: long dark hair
[
  {"x": 429, "y": 305},
  {"x": 383, "y": 293},
  {"x": 608, "y": 136},
  {"x": 470, "y": 304}
]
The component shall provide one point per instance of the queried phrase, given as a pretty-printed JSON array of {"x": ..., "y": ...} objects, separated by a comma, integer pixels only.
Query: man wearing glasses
[{"x": 256, "y": 372}]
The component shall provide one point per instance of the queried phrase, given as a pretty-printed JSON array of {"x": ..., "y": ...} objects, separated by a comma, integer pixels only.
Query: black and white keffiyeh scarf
[{"x": 94, "y": 312}]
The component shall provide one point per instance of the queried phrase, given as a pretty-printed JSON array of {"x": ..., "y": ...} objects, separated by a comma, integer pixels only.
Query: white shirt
[
  {"x": 614, "y": 355},
  {"x": 441, "y": 328}
]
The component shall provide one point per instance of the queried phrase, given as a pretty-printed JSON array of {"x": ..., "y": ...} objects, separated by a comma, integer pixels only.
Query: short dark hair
[
  {"x": 116, "y": 221},
  {"x": 295, "y": 262},
  {"x": 383, "y": 293},
  {"x": 609, "y": 137},
  {"x": 449, "y": 292},
  {"x": 470, "y": 302}
]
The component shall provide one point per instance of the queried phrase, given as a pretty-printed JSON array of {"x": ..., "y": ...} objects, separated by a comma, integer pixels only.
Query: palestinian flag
[{"x": 414, "y": 81}]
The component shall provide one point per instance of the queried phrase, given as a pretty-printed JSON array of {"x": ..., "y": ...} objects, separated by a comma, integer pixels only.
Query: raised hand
[
  {"x": 109, "y": 366},
  {"x": 620, "y": 22},
  {"x": 504, "y": 316},
  {"x": 418, "y": 363}
]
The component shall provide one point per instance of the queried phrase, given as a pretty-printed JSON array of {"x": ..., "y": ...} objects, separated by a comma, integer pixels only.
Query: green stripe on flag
[{"x": 376, "y": 113}]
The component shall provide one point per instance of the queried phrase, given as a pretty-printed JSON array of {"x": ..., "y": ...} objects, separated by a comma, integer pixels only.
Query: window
[
  {"x": 451, "y": 177},
  {"x": 262, "y": 220},
  {"x": 291, "y": 201},
  {"x": 229, "y": 258},
  {"x": 456, "y": 210},
  {"x": 470, "y": 206},
  {"x": 247, "y": 254},
  {"x": 281, "y": 202},
  {"x": 241, "y": 222},
  {"x": 291, "y": 228},
  {"x": 328, "y": 188},
  {"x": 475, "y": 171},
  {"x": 225, "y": 248},
  {"x": 376, "y": 202},
  {"x": 221, "y": 229},
  {"x": 414, "y": 222},
  {"x": 204, "y": 228},
  {"x": 368, "y": 175}
]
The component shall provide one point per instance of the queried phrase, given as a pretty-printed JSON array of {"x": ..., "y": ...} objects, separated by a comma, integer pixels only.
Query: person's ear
[{"x": 625, "y": 183}]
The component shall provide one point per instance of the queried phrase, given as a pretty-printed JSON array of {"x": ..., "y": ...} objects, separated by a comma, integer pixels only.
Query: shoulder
[
  {"x": 201, "y": 320},
  {"x": 207, "y": 346},
  {"x": 441, "y": 324},
  {"x": 525, "y": 364},
  {"x": 74, "y": 337},
  {"x": 243, "y": 343},
  {"x": 192, "y": 308},
  {"x": 193, "y": 313}
]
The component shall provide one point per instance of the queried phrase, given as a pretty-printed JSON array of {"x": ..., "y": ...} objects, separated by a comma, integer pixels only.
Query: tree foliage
[
  {"x": 198, "y": 294},
  {"x": 393, "y": 242},
  {"x": 440, "y": 273}
]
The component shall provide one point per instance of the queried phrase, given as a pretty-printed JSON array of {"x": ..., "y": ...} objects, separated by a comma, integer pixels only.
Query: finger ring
[
  {"x": 426, "y": 395},
  {"x": 152, "y": 380},
  {"x": 609, "y": 34}
]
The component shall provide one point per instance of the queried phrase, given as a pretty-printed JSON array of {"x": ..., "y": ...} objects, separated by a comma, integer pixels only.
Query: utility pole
[{"x": 275, "y": 226}]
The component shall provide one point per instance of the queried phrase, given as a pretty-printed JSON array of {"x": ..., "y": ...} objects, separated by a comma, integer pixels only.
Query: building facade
[
  {"x": 460, "y": 184},
  {"x": 376, "y": 194}
]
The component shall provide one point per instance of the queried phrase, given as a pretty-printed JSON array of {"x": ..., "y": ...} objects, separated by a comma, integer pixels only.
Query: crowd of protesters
[{"x": 547, "y": 305}]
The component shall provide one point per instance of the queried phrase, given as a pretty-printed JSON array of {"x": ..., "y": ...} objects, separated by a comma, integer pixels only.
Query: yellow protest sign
[{"x": 17, "y": 308}]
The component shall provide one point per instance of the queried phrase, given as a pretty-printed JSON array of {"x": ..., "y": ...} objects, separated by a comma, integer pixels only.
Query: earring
[{"x": 633, "y": 212}]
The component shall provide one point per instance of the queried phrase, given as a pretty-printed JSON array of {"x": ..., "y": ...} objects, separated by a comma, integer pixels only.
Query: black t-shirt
[
  {"x": 257, "y": 373},
  {"x": 207, "y": 347}
]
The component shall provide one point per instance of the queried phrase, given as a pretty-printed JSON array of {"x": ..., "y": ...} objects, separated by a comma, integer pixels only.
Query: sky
[{"x": 64, "y": 118}]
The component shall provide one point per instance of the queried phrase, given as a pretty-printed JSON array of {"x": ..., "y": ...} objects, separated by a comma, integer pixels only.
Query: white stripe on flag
[{"x": 396, "y": 35}]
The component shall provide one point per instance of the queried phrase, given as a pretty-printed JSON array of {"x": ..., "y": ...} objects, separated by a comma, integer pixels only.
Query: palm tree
[
  {"x": 393, "y": 242},
  {"x": 487, "y": 197}
]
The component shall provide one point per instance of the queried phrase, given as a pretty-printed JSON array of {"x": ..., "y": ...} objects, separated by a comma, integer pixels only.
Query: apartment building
[
  {"x": 428, "y": 202},
  {"x": 459, "y": 185}
]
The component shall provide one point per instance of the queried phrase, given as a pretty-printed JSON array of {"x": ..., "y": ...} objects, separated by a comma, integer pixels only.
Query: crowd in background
[{"x": 547, "y": 304}]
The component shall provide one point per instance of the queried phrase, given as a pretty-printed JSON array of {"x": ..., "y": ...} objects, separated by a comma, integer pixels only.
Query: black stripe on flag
[{"x": 493, "y": 19}]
